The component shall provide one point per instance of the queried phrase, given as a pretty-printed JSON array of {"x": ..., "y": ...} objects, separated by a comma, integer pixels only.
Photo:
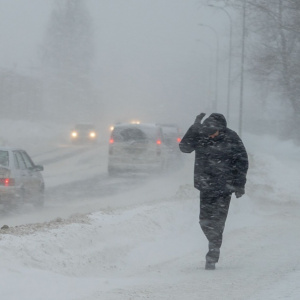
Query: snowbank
[{"x": 156, "y": 251}]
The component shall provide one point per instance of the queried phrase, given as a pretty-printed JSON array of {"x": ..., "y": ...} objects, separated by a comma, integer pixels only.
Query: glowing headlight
[
  {"x": 74, "y": 134},
  {"x": 92, "y": 134},
  {"x": 135, "y": 122}
]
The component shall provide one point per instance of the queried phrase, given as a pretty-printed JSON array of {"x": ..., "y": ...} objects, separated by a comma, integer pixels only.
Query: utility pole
[
  {"x": 210, "y": 50},
  {"x": 242, "y": 70},
  {"x": 215, "y": 103}
]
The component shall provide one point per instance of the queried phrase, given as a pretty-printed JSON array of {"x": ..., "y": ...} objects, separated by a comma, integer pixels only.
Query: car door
[
  {"x": 35, "y": 178},
  {"x": 22, "y": 174}
]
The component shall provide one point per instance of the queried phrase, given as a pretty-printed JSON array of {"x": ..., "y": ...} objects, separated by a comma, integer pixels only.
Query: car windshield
[
  {"x": 84, "y": 127},
  {"x": 170, "y": 131},
  {"x": 4, "y": 161}
]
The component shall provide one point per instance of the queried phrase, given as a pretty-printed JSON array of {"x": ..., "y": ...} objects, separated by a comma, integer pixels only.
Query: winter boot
[{"x": 210, "y": 265}]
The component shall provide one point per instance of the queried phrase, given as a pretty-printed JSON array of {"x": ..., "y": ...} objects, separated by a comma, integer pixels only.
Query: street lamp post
[
  {"x": 215, "y": 103},
  {"x": 210, "y": 69},
  {"x": 229, "y": 60},
  {"x": 242, "y": 70}
]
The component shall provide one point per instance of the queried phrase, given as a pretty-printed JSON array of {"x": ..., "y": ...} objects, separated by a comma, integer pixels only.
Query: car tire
[
  {"x": 15, "y": 202},
  {"x": 111, "y": 171},
  {"x": 163, "y": 166},
  {"x": 21, "y": 199},
  {"x": 40, "y": 201}
]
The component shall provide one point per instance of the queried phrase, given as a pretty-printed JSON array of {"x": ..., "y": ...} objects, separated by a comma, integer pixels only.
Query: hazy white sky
[{"x": 153, "y": 59}]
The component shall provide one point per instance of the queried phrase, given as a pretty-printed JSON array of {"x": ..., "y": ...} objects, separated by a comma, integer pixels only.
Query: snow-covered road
[{"x": 144, "y": 242}]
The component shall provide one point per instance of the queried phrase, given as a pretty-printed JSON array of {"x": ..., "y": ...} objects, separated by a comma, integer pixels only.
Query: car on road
[
  {"x": 172, "y": 136},
  {"x": 136, "y": 147},
  {"x": 21, "y": 180},
  {"x": 84, "y": 133}
]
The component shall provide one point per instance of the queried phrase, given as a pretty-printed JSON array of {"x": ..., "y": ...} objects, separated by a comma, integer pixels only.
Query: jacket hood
[{"x": 214, "y": 123}]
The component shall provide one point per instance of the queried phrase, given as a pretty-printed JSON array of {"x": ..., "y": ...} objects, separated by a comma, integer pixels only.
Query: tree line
[
  {"x": 273, "y": 49},
  {"x": 62, "y": 86}
]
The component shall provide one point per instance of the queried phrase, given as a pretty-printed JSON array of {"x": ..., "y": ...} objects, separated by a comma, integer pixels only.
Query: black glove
[
  {"x": 199, "y": 118},
  {"x": 239, "y": 192}
]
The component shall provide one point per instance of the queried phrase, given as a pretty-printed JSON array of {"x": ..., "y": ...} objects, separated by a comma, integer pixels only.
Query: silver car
[
  {"x": 172, "y": 136},
  {"x": 136, "y": 147},
  {"x": 20, "y": 179}
]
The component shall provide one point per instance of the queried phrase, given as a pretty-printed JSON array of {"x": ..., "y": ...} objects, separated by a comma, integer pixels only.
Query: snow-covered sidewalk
[{"x": 157, "y": 250}]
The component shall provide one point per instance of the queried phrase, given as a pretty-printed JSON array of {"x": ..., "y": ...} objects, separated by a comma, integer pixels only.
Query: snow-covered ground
[{"x": 146, "y": 243}]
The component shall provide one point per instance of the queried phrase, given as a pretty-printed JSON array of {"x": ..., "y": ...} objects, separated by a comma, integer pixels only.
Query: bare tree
[
  {"x": 20, "y": 95},
  {"x": 273, "y": 48}
]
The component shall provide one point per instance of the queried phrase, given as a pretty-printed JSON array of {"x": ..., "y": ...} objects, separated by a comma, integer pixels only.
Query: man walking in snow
[{"x": 221, "y": 165}]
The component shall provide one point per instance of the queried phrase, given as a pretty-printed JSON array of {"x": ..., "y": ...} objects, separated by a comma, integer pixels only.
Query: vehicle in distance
[
  {"x": 136, "y": 147},
  {"x": 83, "y": 133},
  {"x": 21, "y": 180},
  {"x": 172, "y": 136}
]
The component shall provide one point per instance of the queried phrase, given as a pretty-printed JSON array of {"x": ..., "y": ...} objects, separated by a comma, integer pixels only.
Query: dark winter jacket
[{"x": 221, "y": 163}]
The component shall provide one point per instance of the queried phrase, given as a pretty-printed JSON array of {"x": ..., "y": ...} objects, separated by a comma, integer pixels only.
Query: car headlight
[
  {"x": 92, "y": 134},
  {"x": 74, "y": 134}
]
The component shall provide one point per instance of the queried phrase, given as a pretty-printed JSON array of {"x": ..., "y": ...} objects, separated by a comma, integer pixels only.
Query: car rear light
[
  {"x": 7, "y": 181},
  {"x": 158, "y": 150},
  {"x": 178, "y": 140},
  {"x": 110, "y": 151}
]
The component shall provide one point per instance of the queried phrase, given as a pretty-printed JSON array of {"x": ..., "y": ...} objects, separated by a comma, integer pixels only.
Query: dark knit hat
[{"x": 210, "y": 127}]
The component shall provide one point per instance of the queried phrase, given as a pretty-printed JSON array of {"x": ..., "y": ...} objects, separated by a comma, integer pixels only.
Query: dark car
[
  {"x": 136, "y": 147},
  {"x": 20, "y": 179},
  {"x": 84, "y": 133}
]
